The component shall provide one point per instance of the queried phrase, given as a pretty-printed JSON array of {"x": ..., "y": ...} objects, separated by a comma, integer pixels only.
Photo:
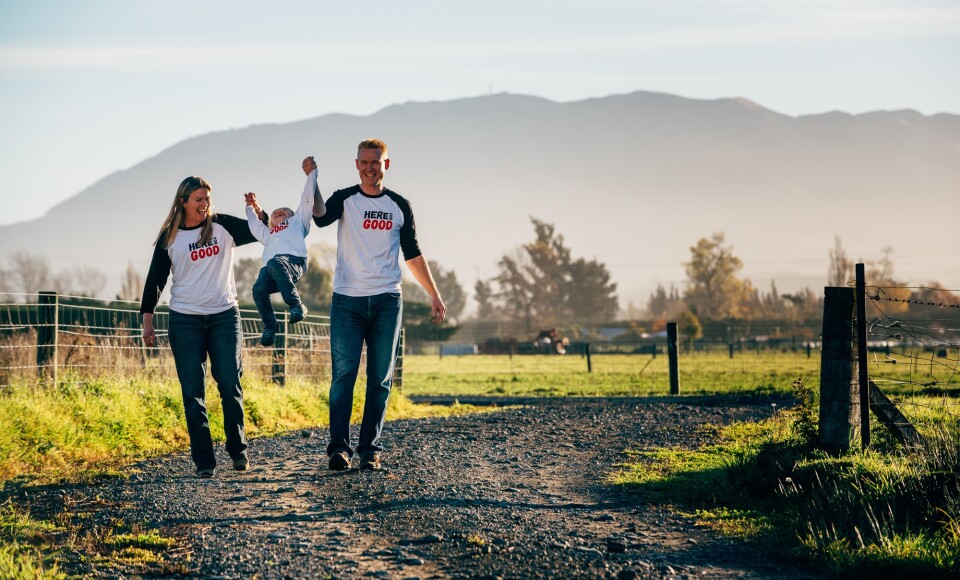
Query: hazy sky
[{"x": 91, "y": 87}]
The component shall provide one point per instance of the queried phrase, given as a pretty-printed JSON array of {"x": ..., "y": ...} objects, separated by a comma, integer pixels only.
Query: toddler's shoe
[
  {"x": 266, "y": 339},
  {"x": 297, "y": 313}
]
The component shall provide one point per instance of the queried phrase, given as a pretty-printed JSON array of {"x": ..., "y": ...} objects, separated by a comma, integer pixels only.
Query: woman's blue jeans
[
  {"x": 192, "y": 338},
  {"x": 374, "y": 320}
]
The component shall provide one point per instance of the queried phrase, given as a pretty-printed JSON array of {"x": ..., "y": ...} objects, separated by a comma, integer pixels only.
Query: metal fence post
[
  {"x": 398, "y": 365},
  {"x": 672, "y": 354},
  {"x": 862, "y": 357},
  {"x": 47, "y": 331}
]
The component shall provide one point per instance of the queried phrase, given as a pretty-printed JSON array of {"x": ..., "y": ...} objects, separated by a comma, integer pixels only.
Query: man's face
[{"x": 372, "y": 163}]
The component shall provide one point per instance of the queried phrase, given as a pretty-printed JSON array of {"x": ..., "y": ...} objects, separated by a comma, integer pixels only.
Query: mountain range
[{"x": 632, "y": 180}]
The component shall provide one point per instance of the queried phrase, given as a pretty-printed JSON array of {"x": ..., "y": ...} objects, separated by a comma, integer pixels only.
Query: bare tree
[
  {"x": 62, "y": 282},
  {"x": 88, "y": 281},
  {"x": 29, "y": 274},
  {"x": 841, "y": 267},
  {"x": 6, "y": 280},
  {"x": 131, "y": 285}
]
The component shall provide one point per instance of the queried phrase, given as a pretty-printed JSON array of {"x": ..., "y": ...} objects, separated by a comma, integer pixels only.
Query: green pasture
[{"x": 624, "y": 375}]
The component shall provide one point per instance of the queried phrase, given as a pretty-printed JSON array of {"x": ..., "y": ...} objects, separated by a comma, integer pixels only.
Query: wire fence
[
  {"x": 758, "y": 364},
  {"x": 919, "y": 359},
  {"x": 43, "y": 335}
]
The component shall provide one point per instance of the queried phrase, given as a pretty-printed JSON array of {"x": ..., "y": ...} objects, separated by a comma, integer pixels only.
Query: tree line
[{"x": 542, "y": 285}]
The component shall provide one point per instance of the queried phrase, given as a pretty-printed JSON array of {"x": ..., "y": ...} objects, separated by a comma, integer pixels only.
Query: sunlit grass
[
  {"x": 100, "y": 423},
  {"x": 883, "y": 512}
]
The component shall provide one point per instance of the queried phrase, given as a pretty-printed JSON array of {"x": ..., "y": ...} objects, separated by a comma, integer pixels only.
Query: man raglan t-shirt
[
  {"x": 371, "y": 233},
  {"x": 203, "y": 281},
  {"x": 287, "y": 237}
]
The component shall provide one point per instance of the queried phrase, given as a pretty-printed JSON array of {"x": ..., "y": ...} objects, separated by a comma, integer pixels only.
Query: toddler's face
[{"x": 279, "y": 215}]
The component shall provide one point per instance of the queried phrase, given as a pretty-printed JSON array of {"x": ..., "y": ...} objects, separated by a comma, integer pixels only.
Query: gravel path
[{"x": 517, "y": 493}]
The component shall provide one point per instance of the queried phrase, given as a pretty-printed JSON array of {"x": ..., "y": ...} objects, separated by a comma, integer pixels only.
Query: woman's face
[{"x": 197, "y": 207}]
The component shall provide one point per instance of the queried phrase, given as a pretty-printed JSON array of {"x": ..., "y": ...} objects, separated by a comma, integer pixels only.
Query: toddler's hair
[{"x": 268, "y": 216}]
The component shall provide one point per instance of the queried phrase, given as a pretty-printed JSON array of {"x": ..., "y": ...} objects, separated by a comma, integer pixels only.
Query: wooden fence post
[
  {"x": 279, "y": 371},
  {"x": 586, "y": 348},
  {"x": 48, "y": 322},
  {"x": 839, "y": 391},
  {"x": 47, "y": 331},
  {"x": 672, "y": 355}
]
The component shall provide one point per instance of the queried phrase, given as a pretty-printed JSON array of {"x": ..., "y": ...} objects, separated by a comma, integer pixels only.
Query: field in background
[{"x": 763, "y": 372}]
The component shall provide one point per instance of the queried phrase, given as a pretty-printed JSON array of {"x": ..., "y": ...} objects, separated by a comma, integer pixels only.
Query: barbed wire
[
  {"x": 888, "y": 298},
  {"x": 922, "y": 346}
]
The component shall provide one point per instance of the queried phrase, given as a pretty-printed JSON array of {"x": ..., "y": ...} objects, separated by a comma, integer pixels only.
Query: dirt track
[{"x": 518, "y": 493}]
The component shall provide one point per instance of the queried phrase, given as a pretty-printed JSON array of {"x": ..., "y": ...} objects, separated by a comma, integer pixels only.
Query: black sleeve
[
  {"x": 334, "y": 207},
  {"x": 236, "y": 227},
  {"x": 408, "y": 231},
  {"x": 156, "y": 279}
]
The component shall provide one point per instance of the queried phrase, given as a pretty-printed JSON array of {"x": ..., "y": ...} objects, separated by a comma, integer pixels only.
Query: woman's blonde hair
[{"x": 176, "y": 216}]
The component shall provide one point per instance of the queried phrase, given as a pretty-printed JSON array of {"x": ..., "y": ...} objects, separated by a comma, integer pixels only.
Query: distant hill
[{"x": 633, "y": 180}]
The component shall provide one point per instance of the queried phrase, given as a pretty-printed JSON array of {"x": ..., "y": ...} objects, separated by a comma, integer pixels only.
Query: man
[{"x": 376, "y": 224}]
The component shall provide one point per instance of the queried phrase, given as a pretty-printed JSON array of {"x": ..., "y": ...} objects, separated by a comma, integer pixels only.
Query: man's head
[
  {"x": 279, "y": 215},
  {"x": 372, "y": 162}
]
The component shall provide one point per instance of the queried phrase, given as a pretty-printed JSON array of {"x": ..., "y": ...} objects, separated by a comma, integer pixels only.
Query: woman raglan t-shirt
[
  {"x": 371, "y": 233},
  {"x": 203, "y": 280}
]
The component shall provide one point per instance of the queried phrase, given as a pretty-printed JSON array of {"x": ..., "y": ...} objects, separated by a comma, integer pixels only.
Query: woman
[{"x": 197, "y": 245}]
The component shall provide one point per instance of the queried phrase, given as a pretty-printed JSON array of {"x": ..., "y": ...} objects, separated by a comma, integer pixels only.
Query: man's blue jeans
[
  {"x": 192, "y": 338},
  {"x": 281, "y": 274},
  {"x": 353, "y": 321}
]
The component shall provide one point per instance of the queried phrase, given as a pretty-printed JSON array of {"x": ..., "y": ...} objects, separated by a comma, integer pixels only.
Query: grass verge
[
  {"x": 83, "y": 429},
  {"x": 881, "y": 513}
]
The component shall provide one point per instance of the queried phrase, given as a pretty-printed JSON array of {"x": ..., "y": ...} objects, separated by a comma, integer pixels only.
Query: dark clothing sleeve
[
  {"x": 334, "y": 206},
  {"x": 236, "y": 227},
  {"x": 408, "y": 231},
  {"x": 156, "y": 278}
]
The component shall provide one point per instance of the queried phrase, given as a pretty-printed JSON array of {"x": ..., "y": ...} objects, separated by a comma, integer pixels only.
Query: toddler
[{"x": 284, "y": 255}]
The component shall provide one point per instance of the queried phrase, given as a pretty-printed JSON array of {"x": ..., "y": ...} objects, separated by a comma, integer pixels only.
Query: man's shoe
[
  {"x": 240, "y": 463},
  {"x": 340, "y": 461},
  {"x": 370, "y": 461},
  {"x": 266, "y": 339},
  {"x": 297, "y": 313},
  {"x": 205, "y": 473}
]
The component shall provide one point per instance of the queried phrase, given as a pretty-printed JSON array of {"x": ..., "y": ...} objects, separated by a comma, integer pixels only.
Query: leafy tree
[
  {"x": 713, "y": 289},
  {"x": 689, "y": 325},
  {"x": 934, "y": 293},
  {"x": 245, "y": 273},
  {"x": 592, "y": 295},
  {"x": 316, "y": 286},
  {"x": 483, "y": 294},
  {"x": 454, "y": 296},
  {"x": 542, "y": 286},
  {"x": 418, "y": 326}
]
